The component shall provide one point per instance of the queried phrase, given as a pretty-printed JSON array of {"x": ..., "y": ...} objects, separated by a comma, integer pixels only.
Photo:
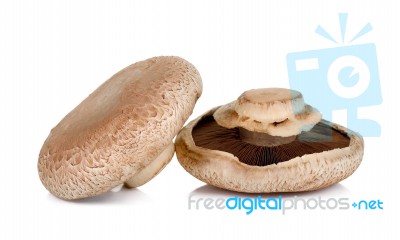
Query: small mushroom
[
  {"x": 268, "y": 140},
  {"x": 122, "y": 132}
]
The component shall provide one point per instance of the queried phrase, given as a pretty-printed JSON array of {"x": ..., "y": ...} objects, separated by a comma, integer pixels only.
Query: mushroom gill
[{"x": 260, "y": 149}]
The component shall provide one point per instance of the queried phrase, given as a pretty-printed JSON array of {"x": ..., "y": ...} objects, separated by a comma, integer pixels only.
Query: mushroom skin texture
[
  {"x": 122, "y": 132},
  {"x": 303, "y": 173}
]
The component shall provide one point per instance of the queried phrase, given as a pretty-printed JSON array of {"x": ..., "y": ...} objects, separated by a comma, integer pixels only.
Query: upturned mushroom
[
  {"x": 122, "y": 132},
  {"x": 268, "y": 140}
]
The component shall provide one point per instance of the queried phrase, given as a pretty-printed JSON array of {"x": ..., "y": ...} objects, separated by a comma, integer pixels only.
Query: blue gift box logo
[{"x": 345, "y": 77}]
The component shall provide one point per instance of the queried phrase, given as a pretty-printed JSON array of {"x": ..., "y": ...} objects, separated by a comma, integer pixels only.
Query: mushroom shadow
[
  {"x": 123, "y": 196},
  {"x": 211, "y": 191}
]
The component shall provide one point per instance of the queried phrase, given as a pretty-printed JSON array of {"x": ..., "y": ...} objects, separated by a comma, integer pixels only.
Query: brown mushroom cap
[
  {"x": 243, "y": 160},
  {"x": 123, "y": 131}
]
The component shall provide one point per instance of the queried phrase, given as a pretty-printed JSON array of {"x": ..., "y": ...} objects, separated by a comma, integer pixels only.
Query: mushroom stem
[
  {"x": 153, "y": 168},
  {"x": 263, "y": 139}
]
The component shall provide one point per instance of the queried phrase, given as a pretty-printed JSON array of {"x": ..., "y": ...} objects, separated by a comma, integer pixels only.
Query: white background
[{"x": 54, "y": 53}]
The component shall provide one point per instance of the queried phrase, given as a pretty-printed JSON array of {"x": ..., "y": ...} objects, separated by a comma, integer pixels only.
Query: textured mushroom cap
[
  {"x": 303, "y": 173},
  {"x": 120, "y": 129}
]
